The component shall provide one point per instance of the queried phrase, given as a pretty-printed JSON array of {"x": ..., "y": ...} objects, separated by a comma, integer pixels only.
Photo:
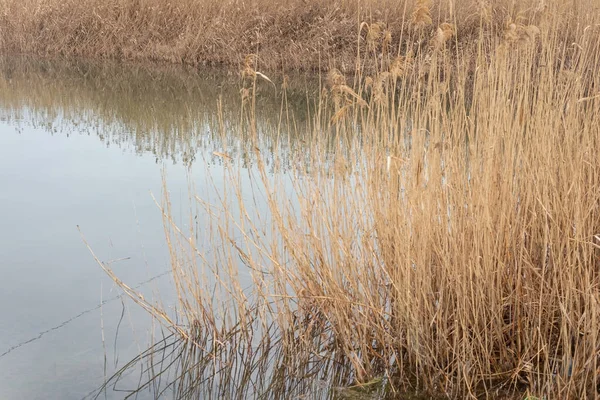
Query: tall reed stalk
[{"x": 449, "y": 242}]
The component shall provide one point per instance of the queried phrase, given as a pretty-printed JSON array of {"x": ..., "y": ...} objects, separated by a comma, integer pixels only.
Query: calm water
[{"x": 86, "y": 145}]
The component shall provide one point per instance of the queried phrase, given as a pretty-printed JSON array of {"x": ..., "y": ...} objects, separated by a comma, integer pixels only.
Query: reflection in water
[
  {"x": 180, "y": 116},
  {"x": 170, "y": 112},
  {"x": 276, "y": 366}
]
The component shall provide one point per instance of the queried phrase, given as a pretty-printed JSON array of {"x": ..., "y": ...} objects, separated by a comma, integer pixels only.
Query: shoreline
[{"x": 301, "y": 35}]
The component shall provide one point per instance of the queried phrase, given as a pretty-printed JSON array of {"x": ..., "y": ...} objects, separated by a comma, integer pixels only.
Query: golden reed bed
[{"x": 451, "y": 244}]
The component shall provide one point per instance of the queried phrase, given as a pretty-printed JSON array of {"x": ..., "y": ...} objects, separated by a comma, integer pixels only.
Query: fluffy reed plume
[
  {"x": 510, "y": 33},
  {"x": 338, "y": 87},
  {"x": 515, "y": 32},
  {"x": 444, "y": 33},
  {"x": 249, "y": 66},
  {"x": 399, "y": 66},
  {"x": 335, "y": 78},
  {"x": 531, "y": 32},
  {"x": 387, "y": 39},
  {"x": 375, "y": 32},
  {"x": 421, "y": 16},
  {"x": 380, "y": 87}
]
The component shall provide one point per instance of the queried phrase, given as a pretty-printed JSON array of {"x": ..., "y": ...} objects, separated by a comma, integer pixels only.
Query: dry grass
[
  {"x": 453, "y": 241},
  {"x": 296, "y": 34}
]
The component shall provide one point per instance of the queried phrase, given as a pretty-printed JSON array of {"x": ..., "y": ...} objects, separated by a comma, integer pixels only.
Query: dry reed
[
  {"x": 296, "y": 34},
  {"x": 453, "y": 244}
]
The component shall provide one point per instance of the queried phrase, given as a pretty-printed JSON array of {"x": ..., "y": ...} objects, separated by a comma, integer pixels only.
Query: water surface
[{"x": 83, "y": 147}]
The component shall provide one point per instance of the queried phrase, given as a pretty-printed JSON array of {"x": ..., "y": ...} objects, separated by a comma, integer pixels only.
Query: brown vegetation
[
  {"x": 452, "y": 244},
  {"x": 295, "y": 34}
]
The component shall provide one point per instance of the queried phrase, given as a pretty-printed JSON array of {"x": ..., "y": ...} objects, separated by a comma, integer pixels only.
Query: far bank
[{"x": 286, "y": 36}]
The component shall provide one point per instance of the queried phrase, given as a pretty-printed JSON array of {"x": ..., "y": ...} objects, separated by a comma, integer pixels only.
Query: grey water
[{"x": 84, "y": 151}]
